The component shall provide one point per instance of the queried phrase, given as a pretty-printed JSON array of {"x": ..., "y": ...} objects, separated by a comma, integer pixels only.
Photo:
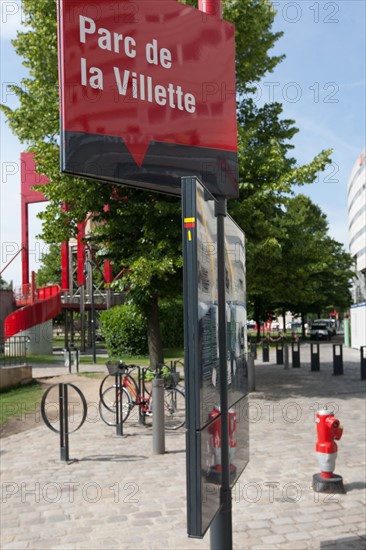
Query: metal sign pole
[{"x": 221, "y": 535}]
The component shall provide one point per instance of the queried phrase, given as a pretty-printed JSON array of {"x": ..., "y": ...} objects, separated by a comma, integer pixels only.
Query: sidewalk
[{"x": 118, "y": 495}]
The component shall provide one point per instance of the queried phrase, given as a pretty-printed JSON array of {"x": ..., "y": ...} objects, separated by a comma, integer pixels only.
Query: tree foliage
[{"x": 50, "y": 270}]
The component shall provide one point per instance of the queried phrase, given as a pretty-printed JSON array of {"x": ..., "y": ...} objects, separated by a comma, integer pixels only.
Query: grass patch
[{"x": 16, "y": 401}]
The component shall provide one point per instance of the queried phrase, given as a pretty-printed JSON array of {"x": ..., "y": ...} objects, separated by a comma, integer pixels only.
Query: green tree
[
  {"x": 268, "y": 177},
  {"x": 315, "y": 272},
  {"x": 4, "y": 285},
  {"x": 50, "y": 270}
]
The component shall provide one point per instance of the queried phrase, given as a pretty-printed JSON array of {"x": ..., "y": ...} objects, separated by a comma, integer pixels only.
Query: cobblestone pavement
[{"x": 119, "y": 495}]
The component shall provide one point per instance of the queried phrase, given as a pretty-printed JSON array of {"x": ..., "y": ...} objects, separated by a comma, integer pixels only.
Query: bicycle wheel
[
  {"x": 128, "y": 382},
  {"x": 174, "y": 408},
  {"x": 107, "y": 406}
]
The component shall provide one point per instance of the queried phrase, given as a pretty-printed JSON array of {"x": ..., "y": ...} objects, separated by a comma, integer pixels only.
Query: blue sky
[{"x": 321, "y": 84}]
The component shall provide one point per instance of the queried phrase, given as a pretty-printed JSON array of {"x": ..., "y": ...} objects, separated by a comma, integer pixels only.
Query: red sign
[{"x": 148, "y": 93}]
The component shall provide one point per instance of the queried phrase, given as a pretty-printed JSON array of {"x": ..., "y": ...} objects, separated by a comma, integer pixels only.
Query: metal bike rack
[{"x": 63, "y": 416}]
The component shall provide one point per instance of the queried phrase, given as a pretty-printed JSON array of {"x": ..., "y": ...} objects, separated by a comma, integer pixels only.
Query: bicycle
[{"x": 138, "y": 394}]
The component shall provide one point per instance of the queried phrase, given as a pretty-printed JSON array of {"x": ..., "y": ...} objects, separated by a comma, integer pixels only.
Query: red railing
[{"x": 42, "y": 307}]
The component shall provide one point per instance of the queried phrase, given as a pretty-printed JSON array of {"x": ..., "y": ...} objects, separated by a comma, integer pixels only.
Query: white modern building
[{"x": 357, "y": 247}]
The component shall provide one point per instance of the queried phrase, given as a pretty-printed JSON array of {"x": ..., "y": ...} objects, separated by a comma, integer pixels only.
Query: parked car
[{"x": 320, "y": 330}]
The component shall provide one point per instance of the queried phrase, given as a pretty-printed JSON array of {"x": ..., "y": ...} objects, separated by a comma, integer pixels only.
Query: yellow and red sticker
[{"x": 189, "y": 223}]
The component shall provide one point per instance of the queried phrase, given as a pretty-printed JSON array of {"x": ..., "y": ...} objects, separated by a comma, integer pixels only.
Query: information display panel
[{"x": 202, "y": 354}]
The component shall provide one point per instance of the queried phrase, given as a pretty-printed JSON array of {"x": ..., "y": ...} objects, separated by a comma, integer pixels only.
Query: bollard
[
  {"x": 279, "y": 353},
  {"x": 253, "y": 349},
  {"x": 314, "y": 357},
  {"x": 71, "y": 358},
  {"x": 158, "y": 419},
  {"x": 251, "y": 372},
  {"x": 265, "y": 351},
  {"x": 295, "y": 355},
  {"x": 363, "y": 362},
  {"x": 67, "y": 358},
  {"x": 286, "y": 361},
  {"x": 75, "y": 358},
  {"x": 337, "y": 360}
]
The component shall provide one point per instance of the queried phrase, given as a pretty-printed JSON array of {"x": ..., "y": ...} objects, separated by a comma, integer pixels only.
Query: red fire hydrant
[
  {"x": 328, "y": 430},
  {"x": 215, "y": 431}
]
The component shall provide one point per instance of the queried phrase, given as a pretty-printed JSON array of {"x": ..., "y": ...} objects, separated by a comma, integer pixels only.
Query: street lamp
[{"x": 88, "y": 272}]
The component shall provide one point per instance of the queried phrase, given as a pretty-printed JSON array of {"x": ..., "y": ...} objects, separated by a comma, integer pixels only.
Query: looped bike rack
[{"x": 63, "y": 416}]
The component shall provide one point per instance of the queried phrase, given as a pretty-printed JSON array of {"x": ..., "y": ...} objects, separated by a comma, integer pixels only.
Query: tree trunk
[
  {"x": 303, "y": 325},
  {"x": 153, "y": 334}
]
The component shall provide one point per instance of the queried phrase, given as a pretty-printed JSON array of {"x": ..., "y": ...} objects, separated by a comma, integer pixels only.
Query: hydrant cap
[{"x": 325, "y": 411}]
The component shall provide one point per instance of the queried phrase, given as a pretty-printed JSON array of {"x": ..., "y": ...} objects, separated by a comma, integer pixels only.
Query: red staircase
[{"x": 39, "y": 306}]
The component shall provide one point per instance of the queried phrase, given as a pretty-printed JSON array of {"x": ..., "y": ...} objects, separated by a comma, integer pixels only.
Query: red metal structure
[
  {"x": 43, "y": 306},
  {"x": 40, "y": 305}
]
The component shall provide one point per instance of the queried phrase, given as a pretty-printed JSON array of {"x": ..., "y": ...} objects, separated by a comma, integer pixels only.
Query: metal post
[
  {"x": 265, "y": 351},
  {"x": 88, "y": 270},
  {"x": 279, "y": 353},
  {"x": 363, "y": 362},
  {"x": 221, "y": 532},
  {"x": 158, "y": 416},
  {"x": 119, "y": 403},
  {"x": 295, "y": 355},
  {"x": 64, "y": 423},
  {"x": 82, "y": 317},
  {"x": 315, "y": 363},
  {"x": 286, "y": 361},
  {"x": 92, "y": 315},
  {"x": 337, "y": 360},
  {"x": 251, "y": 372}
]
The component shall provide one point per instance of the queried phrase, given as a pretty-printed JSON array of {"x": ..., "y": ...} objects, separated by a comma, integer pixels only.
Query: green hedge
[
  {"x": 125, "y": 328},
  {"x": 125, "y": 331}
]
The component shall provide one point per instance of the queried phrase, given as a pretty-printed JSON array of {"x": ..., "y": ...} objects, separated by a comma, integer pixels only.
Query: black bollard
[
  {"x": 363, "y": 362},
  {"x": 337, "y": 360},
  {"x": 279, "y": 353},
  {"x": 314, "y": 356},
  {"x": 295, "y": 355},
  {"x": 265, "y": 351}
]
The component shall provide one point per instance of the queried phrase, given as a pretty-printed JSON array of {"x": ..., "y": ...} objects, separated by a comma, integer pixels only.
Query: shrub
[{"x": 125, "y": 331}]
